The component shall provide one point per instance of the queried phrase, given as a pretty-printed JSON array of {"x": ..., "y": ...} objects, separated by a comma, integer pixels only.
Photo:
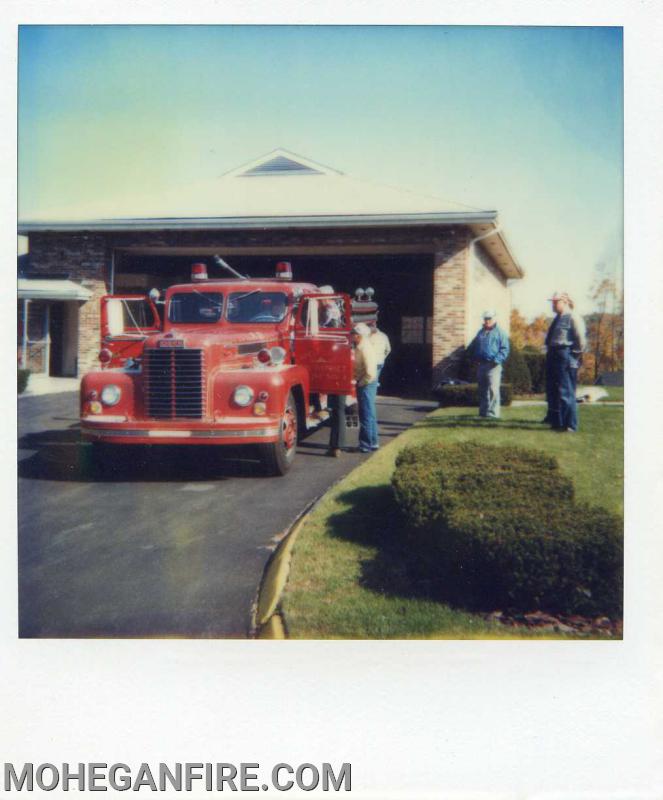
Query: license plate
[{"x": 171, "y": 343}]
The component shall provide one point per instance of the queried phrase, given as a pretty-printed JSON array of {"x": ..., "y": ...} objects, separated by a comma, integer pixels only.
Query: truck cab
[{"x": 229, "y": 361}]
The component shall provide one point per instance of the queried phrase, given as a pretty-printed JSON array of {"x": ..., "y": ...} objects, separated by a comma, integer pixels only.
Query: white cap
[
  {"x": 489, "y": 314},
  {"x": 362, "y": 329}
]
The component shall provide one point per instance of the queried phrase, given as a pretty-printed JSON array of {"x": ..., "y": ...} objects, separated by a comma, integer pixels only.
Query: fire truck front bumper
[{"x": 230, "y": 431}]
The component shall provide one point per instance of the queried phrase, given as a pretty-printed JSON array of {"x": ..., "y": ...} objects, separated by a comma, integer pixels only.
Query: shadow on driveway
[{"x": 60, "y": 455}]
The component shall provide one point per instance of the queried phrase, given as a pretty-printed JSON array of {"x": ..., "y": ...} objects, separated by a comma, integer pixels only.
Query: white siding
[{"x": 487, "y": 289}]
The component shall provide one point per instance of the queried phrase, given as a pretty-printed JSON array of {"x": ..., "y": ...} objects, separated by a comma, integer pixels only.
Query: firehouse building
[{"x": 434, "y": 265}]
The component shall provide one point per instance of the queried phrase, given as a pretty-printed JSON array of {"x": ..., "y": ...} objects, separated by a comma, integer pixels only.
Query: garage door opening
[{"x": 403, "y": 289}]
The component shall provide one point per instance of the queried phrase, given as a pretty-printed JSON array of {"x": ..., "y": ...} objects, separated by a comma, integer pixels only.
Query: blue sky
[{"x": 527, "y": 121}]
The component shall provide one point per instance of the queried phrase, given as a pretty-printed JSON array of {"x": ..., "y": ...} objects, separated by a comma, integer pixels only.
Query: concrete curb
[{"x": 267, "y": 620}]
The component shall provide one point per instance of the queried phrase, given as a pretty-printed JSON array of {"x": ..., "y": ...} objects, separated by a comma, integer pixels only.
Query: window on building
[{"x": 412, "y": 330}]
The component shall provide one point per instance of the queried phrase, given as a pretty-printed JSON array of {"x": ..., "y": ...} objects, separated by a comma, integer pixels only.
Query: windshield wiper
[
  {"x": 243, "y": 296},
  {"x": 207, "y": 297}
]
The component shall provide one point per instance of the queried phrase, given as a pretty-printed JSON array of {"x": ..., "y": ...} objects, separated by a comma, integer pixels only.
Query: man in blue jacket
[{"x": 490, "y": 347}]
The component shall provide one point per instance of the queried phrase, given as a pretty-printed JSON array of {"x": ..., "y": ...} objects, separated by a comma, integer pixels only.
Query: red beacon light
[
  {"x": 284, "y": 270},
  {"x": 199, "y": 272}
]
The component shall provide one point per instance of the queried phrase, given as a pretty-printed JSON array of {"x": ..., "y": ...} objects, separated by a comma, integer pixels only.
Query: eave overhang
[{"x": 479, "y": 222}]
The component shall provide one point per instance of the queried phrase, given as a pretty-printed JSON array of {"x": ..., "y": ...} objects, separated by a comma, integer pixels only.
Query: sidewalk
[{"x": 44, "y": 384}]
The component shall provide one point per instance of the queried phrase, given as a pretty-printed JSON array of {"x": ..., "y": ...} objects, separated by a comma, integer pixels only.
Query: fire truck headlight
[
  {"x": 110, "y": 395},
  {"x": 278, "y": 355},
  {"x": 243, "y": 395}
]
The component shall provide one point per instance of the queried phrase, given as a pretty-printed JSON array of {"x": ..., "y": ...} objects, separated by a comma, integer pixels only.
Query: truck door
[
  {"x": 126, "y": 321},
  {"x": 322, "y": 342}
]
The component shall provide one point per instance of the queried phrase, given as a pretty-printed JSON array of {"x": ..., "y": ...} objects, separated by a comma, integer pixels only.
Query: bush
[
  {"x": 22, "y": 381},
  {"x": 516, "y": 372},
  {"x": 536, "y": 363},
  {"x": 467, "y": 368},
  {"x": 498, "y": 528},
  {"x": 467, "y": 394}
]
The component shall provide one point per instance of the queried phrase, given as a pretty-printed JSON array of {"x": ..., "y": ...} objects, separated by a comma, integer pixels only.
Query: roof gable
[
  {"x": 280, "y": 162},
  {"x": 279, "y": 166}
]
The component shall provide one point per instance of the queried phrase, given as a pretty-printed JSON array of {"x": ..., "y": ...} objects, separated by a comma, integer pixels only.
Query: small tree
[{"x": 518, "y": 328}]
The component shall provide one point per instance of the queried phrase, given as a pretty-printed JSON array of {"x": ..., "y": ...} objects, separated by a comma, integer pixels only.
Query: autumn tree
[
  {"x": 605, "y": 329},
  {"x": 528, "y": 334},
  {"x": 518, "y": 327}
]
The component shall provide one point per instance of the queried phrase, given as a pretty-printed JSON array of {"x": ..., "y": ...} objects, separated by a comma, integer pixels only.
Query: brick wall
[
  {"x": 450, "y": 273},
  {"x": 86, "y": 258}
]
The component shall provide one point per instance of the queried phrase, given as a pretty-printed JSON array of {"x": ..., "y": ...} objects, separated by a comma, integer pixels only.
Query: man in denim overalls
[{"x": 565, "y": 342}]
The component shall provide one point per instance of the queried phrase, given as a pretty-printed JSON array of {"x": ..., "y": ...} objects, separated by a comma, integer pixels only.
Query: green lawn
[
  {"x": 615, "y": 394},
  {"x": 349, "y": 576}
]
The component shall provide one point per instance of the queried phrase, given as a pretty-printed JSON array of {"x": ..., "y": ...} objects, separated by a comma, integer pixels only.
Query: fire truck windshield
[
  {"x": 195, "y": 307},
  {"x": 257, "y": 306}
]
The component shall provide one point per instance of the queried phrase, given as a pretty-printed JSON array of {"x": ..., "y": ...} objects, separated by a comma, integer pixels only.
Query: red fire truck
[{"x": 223, "y": 361}]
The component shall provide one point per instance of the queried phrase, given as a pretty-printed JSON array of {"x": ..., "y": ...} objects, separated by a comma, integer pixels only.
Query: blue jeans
[
  {"x": 561, "y": 379},
  {"x": 489, "y": 377},
  {"x": 368, "y": 420}
]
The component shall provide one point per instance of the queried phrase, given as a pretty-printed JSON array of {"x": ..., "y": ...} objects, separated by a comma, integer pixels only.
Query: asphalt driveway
[{"x": 169, "y": 543}]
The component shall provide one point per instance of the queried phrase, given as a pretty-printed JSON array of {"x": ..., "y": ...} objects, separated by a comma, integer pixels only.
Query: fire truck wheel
[{"x": 277, "y": 457}]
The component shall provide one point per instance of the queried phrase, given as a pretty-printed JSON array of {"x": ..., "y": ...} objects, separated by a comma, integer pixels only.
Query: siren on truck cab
[
  {"x": 284, "y": 270},
  {"x": 199, "y": 272}
]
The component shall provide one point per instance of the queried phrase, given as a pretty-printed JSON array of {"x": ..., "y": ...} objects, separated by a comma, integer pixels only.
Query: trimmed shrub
[
  {"x": 467, "y": 394},
  {"x": 433, "y": 481},
  {"x": 497, "y": 528},
  {"x": 22, "y": 380},
  {"x": 516, "y": 372},
  {"x": 536, "y": 363}
]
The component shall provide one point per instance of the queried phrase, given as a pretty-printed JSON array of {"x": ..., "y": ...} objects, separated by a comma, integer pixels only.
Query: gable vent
[{"x": 280, "y": 165}]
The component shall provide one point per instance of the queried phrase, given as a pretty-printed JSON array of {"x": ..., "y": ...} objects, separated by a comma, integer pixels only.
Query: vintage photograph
[{"x": 320, "y": 332}]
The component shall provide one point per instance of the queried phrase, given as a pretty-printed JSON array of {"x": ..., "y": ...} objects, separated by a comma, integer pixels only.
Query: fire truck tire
[{"x": 277, "y": 457}]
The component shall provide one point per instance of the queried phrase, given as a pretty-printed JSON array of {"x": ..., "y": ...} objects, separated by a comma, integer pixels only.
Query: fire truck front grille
[{"x": 174, "y": 383}]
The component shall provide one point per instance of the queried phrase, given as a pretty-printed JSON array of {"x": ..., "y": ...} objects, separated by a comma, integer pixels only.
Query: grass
[
  {"x": 615, "y": 394},
  {"x": 349, "y": 576}
]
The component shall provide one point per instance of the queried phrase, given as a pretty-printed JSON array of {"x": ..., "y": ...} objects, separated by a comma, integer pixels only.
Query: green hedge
[
  {"x": 467, "y": 394},
  {"x": 497, "y": 527},
  {"x": 516, "y": 372},
  {"x": 536, "y": 363},
  {"x": 22, "y": 381}
]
